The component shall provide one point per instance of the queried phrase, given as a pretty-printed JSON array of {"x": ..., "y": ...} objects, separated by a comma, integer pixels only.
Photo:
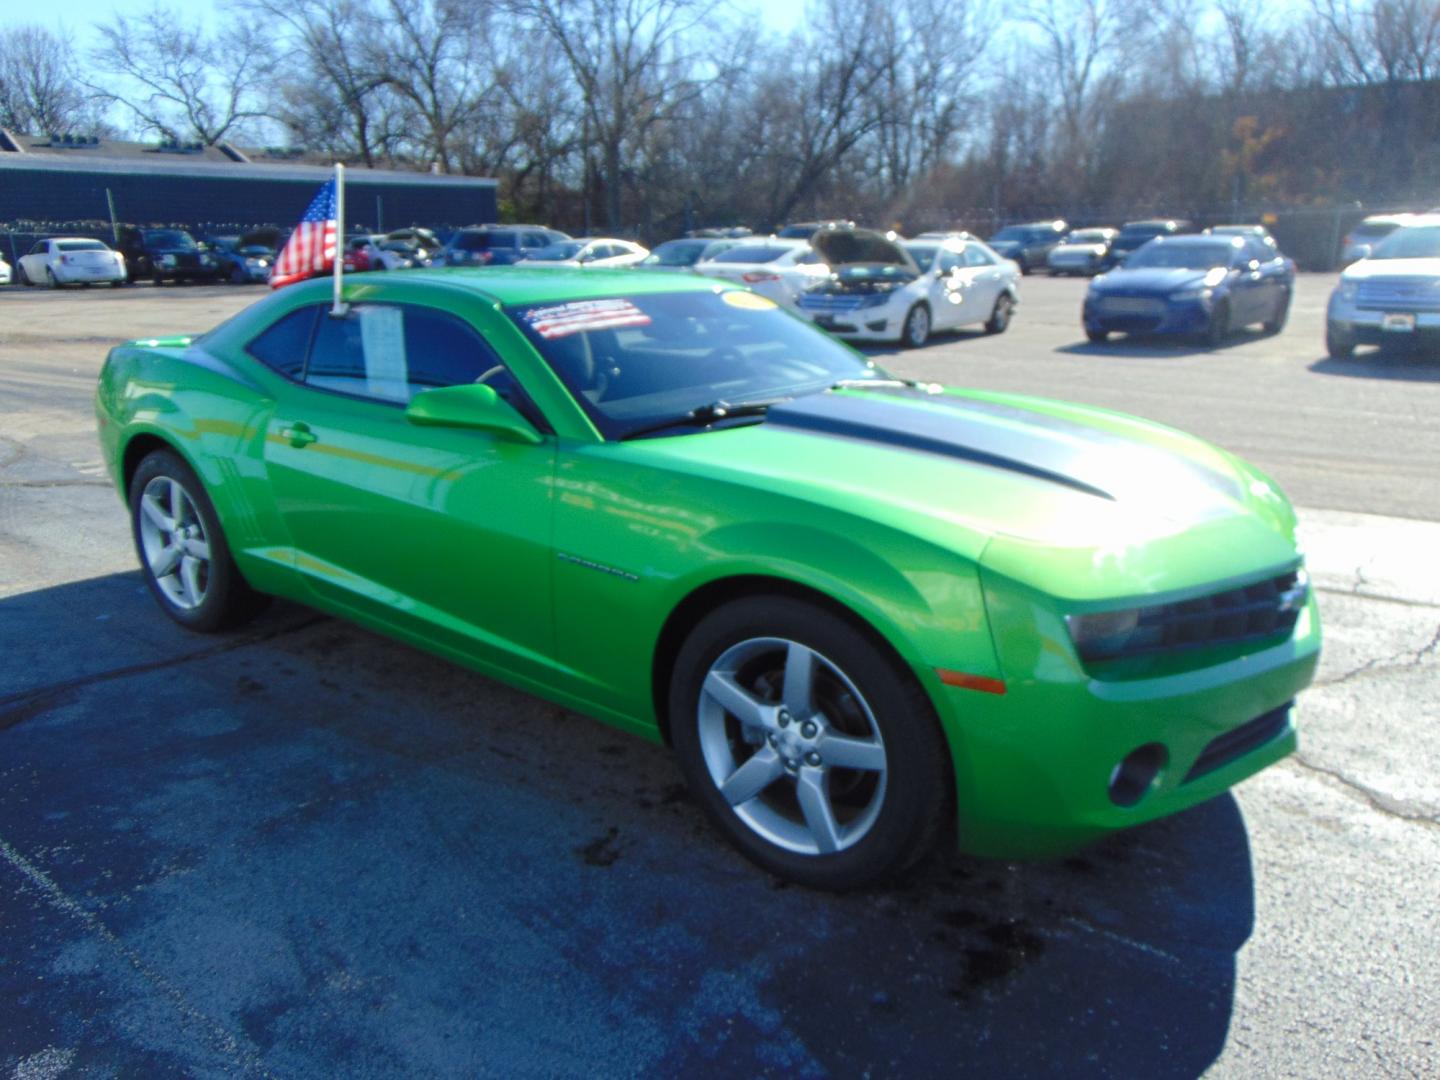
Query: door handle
[{"x": 298, "y": 435}]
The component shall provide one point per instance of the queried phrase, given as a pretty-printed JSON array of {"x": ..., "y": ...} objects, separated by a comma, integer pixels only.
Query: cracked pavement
[{"x": 303, "y": 850}]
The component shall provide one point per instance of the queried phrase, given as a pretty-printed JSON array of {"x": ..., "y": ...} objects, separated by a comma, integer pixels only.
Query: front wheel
[
  {"x": 1339, "y": 344},
  {"x": 917, "y": 327},
  {"x": 21, "y": 276},
  {"x": 1097, "y": 337},
  {"x": 999, "y": 319},
  {"x": 1219, "y": 328},
  {"x": 50, "y": 278},
  {"x": 183, "y": 553},
  {"x": 809, "y": 748},
  {"x": 1276, "y": 322}
]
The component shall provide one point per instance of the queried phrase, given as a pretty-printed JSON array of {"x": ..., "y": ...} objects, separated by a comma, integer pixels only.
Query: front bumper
[
  {"x": 1034, "y": 765},
  {"x": 1159, "y": 315},
  {"x": 1370, "y": 326}
]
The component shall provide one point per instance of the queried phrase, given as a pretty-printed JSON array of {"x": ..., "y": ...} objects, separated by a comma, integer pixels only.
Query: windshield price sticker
[
  {"x": 562, "y": 320},
  {"x": 747, "y": 301}
]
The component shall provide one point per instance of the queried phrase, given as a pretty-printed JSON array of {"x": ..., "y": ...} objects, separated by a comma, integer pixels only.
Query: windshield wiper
[{"x": 705, "y": 415}]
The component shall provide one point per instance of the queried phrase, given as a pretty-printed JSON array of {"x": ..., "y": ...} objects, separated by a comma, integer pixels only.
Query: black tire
[
  {"x": 158, "y": 279},
  {"x": 1219, "y": 328},
  {"x": 999, "y": 320},
  {"x": 225, "y": 598},
  {"x": 887, "y": 820},
  {"x": 1276, "y": 322},
  {"x": 1097, "y": 337},
  {"x": 50, "y": 279},
  {"x": 916, "y": 330},
  {"x": 238, "y": 276},
  {"x": 1340, "y": 345},
  {"x": 21, "y": 276}
]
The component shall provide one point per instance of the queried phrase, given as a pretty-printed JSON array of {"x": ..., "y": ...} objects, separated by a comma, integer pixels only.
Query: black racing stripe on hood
[
  {"x": 1036, "y": 444},
  {"x": 905, "y": 427}
]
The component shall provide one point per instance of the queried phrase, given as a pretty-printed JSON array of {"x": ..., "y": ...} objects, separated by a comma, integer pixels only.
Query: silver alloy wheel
[
  {"x": 177, "y": 551},
  {"x": 792, "y": 746},
  {"x": 917, "y": 326},
  {"x": 1000, "y": 317}
]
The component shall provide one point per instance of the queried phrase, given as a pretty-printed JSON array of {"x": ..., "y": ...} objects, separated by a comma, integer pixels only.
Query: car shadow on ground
[
  {"x": 1413, "y": 364},
  {"x": 1158, "y": 347},
  {"x": 306, "y": 850}
]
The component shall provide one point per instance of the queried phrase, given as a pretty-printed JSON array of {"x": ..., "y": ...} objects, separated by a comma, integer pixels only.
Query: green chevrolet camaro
[{"x": 864, "y": 612}]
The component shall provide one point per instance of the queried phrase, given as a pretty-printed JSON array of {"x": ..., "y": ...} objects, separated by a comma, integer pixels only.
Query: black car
[
  {"x": 1136, "y": 234},
  {"x": 1029, "y": 244},
  {"x": 168, "y": 255},
  {"x": 496, "y": 245}
]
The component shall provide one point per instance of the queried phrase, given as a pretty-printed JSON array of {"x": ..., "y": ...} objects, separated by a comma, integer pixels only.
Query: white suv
[{"x": 1391, "y": 296}]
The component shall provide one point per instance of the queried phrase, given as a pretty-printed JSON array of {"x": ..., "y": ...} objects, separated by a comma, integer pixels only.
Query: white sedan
[
  {"x": 776, "y": 268},
  {"x": 4, "y": 271},
  {"x": 602, "y": 252},
  {"x": 882, "y": 290},
  {"x": 71, "y": 260}
]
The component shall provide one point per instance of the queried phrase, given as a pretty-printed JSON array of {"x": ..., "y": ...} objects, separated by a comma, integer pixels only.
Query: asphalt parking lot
[{"x": 304, "y": 850}]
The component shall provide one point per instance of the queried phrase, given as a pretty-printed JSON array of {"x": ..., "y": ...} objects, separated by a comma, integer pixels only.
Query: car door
[
  {"x": 982, "y": 279},
  {"x": 35, "y": 260},
  {"x": 947, "y": 289},
  {"x": 1249, "y": 289},
  {"x": 439, "y": 532}
]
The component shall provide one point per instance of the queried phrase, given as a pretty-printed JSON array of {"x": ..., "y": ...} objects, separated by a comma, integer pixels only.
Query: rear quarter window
[{"x": 283, "y": 346}]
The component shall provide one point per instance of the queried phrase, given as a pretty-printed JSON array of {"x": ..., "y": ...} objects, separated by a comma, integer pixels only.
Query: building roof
[{"x": 118, "y": 157}]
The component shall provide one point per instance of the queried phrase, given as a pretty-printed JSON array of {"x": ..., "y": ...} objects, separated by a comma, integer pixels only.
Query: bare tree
[
  {"x": 188, "y": 83},
  {"x": 332, "y": 87},
  {"x": 636, "y": 62},
  {"x": 38, "y": 85}
]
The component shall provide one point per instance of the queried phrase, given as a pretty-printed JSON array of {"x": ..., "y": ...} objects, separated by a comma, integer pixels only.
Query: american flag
[{"x": 311, "y": 247}]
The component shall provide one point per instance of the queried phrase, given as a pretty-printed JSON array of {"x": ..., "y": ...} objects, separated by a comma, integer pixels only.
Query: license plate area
[{"x": 1398, "y": 322}]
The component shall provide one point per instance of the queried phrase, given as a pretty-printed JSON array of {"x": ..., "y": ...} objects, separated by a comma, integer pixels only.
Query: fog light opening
[{"x": 1136, "y": 773}]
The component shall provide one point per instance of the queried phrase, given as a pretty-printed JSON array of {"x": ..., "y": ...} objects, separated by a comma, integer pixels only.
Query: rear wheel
[
  {"x": 21, "y": 276},
  {"x": 183, "y": 553},
  {"x": 50, "y": 278},
  {"x": 808, "y": 747},
  {"x": 999, "y": 319},
  {"x": 917, "y": 327},
  {"x": 1097, "y": 337}
]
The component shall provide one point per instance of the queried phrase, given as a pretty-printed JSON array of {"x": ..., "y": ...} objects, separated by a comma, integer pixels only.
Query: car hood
[
  {"x": 1388, "y": 268},
  {"x": 1080, "y": 503},
  {"x": 841, "y": 248},
  {"x": 1158, "y": 280},
  {"x": 1004, "y": 246}
]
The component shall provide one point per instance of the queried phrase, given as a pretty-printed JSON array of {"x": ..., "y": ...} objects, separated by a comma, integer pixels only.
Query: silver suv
[{"x": 1391, "y": 297}]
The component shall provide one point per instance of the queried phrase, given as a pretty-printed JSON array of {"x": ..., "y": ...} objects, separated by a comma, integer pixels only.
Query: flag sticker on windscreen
[{"x": 561, "y": 320}]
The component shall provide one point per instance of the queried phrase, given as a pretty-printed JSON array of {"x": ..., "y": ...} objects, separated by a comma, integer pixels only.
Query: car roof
[
  {"x": 1199, "y": 240},
  {"x": 526, "y": 284}
]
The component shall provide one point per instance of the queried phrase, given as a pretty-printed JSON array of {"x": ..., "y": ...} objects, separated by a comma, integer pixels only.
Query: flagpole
[{"x": 339, "y": 308}]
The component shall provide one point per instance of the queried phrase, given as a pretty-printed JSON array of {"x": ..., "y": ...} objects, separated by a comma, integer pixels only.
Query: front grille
[
  {"x": 1398, "y": 294},
  {"x": 1240, "y": 741},
  {"x": 1255, "y": 612},
  {"x": 835, "y": 303},
  {"x": 1145, "y": 306}
]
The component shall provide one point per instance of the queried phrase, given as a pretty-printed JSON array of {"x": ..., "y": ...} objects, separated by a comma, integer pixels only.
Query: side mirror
[{"x": 471, "y": 405}]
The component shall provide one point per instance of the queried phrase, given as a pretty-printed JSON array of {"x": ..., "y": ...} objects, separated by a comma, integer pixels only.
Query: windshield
[
  {"x": 636, "y": 362},
  {"x": 753, "y": 253},
  {"x": 481, "y": 241},
  {"x": 1086, "y": 236},
  {"x": 556, "y": 252},
  {"x": 81, "y": 245},
  {"x": 1165, "y": 256},
  {"x": 1415, "y": 242},
  {"x": 676, "y": 253},
  {"x": 256, "y": 249},
  {"x": 923, "y": 254},
  {"x": 169, "y": 238},
  {"x": 1014, "y": 232}
]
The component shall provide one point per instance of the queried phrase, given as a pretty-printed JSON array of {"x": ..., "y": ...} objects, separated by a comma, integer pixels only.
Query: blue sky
[{"x": 73, "y": 18}]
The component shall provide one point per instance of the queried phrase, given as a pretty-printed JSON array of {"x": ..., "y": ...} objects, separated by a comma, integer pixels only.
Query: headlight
[
  {"x": 1348, "y": 289},
  {"x": 1104, "y": 633},
  {"x": 1192, "y": 294},
  {"x": 167, "y": 260},
  {"x": 206, "y": 260}
]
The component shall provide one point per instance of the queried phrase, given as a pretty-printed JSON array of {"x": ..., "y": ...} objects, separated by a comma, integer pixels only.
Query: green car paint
[{"x": 570, "y": 565}]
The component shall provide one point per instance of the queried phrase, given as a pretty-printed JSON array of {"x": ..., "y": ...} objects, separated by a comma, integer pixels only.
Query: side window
[
  {"x": 947, "y": 261},
  {"x": 391, "y": 352},
  {"x": 41, "y": 248},
  {"x": 283, "y": 346},
  {"x": 533, "y": 240},
  {"x": 975, "y": 256}
]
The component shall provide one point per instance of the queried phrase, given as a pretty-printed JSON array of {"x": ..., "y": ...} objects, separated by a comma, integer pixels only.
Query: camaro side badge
[{"x": 597, "y": 566}]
